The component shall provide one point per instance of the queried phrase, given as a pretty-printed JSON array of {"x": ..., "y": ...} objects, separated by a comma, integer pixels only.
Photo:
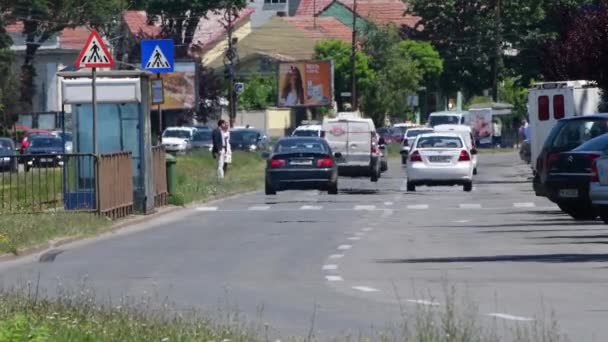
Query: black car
[
  {"x": 8, "y": 158},
  {"x": 44, "y": 151},
  {"x": 301, "y": 164},
  {"x": 248, "y": 139},
  {"x": 202, "y": 140},
  {"x": 569, "y": 175},
  {"x": 567, "y": 135}
]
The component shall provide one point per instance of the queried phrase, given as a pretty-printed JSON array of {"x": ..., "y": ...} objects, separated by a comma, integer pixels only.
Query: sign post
[
  {"x": 94, "y": 55},
  {"x": 158, "y": 56}
]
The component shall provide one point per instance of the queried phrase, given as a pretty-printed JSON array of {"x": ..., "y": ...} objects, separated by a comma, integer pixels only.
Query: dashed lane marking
[
  {"x": 336, "y": 256},
  {"x": 359, "y": 234},
  {"x": 423, "y": 302},
  {"x": 259, "y": 208},
  {"x": 470, "y": 206},
  {"x": 388, "y": 203},
  {"x": 365, "y": 289},
  {"x": 344, "y": 247},
  {"x": 365, "y": 207},
  {"x": 330, "y": 267},
  {"x": 311, "y": 207},
  {"x": 354, "y": 238},
  {"x": 511, "y": 317},
  {"x": 368, "y": 229},
  {"x": 333, "y": 278},
  {"x": 418, "y": 206},
  {"x": 206, "y": 208},
  {"x": 462, "y": 221},
  {"x": 524, "y": 205}
]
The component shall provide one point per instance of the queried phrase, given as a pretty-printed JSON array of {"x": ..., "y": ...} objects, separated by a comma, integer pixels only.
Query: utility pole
[
  {"x": 353, "y": 60},
  {"x": 229, "y": 60},
  {"x": 498, "y": 51},
  {"x": 314, "y": 14}
]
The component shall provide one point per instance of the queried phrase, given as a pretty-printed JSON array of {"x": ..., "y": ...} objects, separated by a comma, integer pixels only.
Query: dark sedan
[
  {"x": 8, "y": 158},
  {"x": 298, "y": 163},
  {"x": 44, "y": 151},
  {"x": 248, "y": 139},
  {"x": 569, "y": 176},
  {"x": 202, "y": 140}
]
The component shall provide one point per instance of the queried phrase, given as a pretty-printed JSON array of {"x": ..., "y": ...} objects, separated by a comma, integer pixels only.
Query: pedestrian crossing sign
[
  {"x": 157, "y": 55},
  {"x": 95, "y": 54}
]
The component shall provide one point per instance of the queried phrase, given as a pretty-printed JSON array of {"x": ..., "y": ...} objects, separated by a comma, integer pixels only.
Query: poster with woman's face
[
  {"x": 482, "y": 124},
  {"x": 305, "y": 84}
]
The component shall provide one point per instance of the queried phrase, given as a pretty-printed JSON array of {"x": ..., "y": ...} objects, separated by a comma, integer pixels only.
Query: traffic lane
[
  {"x": 507, "y": 261},
  {"x": 247, "y": 257}
]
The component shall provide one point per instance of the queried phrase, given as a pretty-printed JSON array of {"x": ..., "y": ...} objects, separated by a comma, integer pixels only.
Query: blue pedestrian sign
[{"x": 158, "y": 55}]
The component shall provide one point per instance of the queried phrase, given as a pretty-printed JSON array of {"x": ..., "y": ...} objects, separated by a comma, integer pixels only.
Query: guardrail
[
  {"x": 115, "y": 185},
  {"x": 159, "y": 172}
]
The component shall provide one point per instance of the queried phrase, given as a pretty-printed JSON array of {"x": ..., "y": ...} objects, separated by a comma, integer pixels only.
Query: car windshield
[
  {"x": 400, "y": 131},
  {"x": 202, "y": 136},
  {"x": 244, "y": 137},
  {"x": 305, "y": 133},
  {"x": 439, "y": 142},
  {"x": 412, "y": 133},
  {"x": 47, "y": 142},
  {"x": 301, "y": 146},
  {"x": 576, "y": 132},
  {"x": 444, "y": 120},
  {"x": 6, "y": 145},
  {"x": 597, "y": 144},
  {"x": 177, "y": 133}
]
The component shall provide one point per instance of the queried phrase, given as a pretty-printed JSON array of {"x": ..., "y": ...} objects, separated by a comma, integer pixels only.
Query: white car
[
  {"x": 307, "y": 131},
  {"x": 440, "y": 159},
  {"x": 178, "y": 139},
  {"x": 409, "y": 138},
  {"x": 467, "y": 135},
  {"x": 598, "y": 189}
]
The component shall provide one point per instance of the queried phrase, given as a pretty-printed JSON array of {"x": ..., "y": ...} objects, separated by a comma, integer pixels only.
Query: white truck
[{"x": 551, "y": 101}]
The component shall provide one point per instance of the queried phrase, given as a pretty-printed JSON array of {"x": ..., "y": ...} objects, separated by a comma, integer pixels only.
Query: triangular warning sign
[
  {"x": 95, "y": 54},
  {"x": 157, "y": 60}
]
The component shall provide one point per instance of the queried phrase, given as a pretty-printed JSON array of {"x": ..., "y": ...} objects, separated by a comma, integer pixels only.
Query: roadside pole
[
  {"x": 160, "y": 116},
  {"x": 94, "y": 105}
]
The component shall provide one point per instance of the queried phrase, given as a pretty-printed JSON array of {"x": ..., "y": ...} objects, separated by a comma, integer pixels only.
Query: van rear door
[
  {"x": 336, "y": 135},
  {"x": 359, "y": 143}
]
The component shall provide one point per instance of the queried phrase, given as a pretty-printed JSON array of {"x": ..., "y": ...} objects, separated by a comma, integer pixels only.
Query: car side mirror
[
  {"x": 473, "y": 151},
  {"x": 265, "y": 154},
  {"x": 338, "y": 155}
]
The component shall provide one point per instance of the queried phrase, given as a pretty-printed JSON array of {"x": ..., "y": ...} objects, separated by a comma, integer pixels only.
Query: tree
[
  {"x": 516, "y": 95},
  {"x": 426, "y": 56},
  {"x": 7, "y": 84},
  {"x": 340, "y": 53},
  {"x": 259, "y": 93},
  {"x": 210, "y": 93},
  {"x": 43, "y": 19}
]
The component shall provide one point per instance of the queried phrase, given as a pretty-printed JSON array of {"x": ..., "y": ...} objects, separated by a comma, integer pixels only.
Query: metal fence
[
  {"x": 115, "y": 186},
  {"x": 159, "y": 172}
]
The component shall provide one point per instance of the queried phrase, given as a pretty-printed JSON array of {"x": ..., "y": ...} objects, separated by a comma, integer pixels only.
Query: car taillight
[
  {"x": 552, "y": 159},
  {"x": 277, "y": 163},
  {"x": 592, "y": 156},
  {"x": 325, "y": 162},
  {"x": 594, "y": 174},
  {"x": 415, "y": 157},
  {"x": 464, "y": 156}
]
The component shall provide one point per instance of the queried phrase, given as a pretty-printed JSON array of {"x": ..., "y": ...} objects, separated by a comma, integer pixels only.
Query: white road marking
[
  {"x": 206, "y": 208},
  {"x": 462, "y": 221},
  {"x": 311, "y": 207},
  {"x": 359, "y": 234},
  {"x": 470, "y": 206},
  {"x": 418, "y": 206},
  {"x": 511, "y": 317},
  {"x": 368, "y": 229},
  {"x": 388, "y": 203},
  {"x": 365, "y": 289},
  {"x": 330, "y": 267},
  {"x": 524, "y": 205},
  {"x": 333, "y": 278},
  {"x": 336, "y": 256},
  {"x": 354, "y": 238},
  {"x": 259, "y": 208},
  {"x": 365, "y": 207},
  {"x": 344, "y": 247},
  {"x": 423, "y": 302},
  {"x": 387, "y": 213}
]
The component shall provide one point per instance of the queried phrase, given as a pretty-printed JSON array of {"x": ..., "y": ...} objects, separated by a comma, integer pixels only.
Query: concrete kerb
[{"x": 127, "y": 225}]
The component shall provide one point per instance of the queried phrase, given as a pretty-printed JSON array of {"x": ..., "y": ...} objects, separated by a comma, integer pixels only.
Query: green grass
[
  {"x": 197, "y": 177},
  {"x": 394, "y": 150},
  {"x": 496, "y": 150},
  {"x": 38, "y": 189}
]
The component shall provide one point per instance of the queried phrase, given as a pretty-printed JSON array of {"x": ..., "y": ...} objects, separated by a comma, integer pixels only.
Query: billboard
[
  {"x": 481, "y": 122},
  {"x": 305, "y": 84},
  {"x": 180, "y": 89}
]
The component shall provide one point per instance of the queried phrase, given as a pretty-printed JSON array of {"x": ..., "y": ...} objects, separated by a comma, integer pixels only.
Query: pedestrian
[
  {"x": 497, "y": 133},
  {"x": 221, "y": 148}
]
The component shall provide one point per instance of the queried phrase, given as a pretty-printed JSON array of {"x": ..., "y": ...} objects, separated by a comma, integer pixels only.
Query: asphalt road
[{"x": 355, "y": 260}]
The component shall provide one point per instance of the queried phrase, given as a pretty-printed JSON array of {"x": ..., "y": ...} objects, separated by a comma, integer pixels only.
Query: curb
[{"x": 119, "y": 225}]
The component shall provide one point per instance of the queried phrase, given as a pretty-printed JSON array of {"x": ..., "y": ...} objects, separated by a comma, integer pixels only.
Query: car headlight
[{"x": 253, "y": 148}]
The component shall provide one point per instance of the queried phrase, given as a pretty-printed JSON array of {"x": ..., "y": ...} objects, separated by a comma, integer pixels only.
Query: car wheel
[
  {"x": 27, "y": 168},
  {"x": 579, "y": 212},
  {"x": 603, "y": 212},
  {"x": 403, "y": 160},
  {"x": 270, "y": 190},
  {"x": 411, "y": 187},
  {"x": 333, "y": 189},
  {"x": 475, "y": 171},
  {"x": 468, "y": 187},
  {"x": 375, "y": 175}
]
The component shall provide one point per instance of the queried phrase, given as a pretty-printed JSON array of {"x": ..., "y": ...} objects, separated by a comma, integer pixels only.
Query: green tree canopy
[
  {"x": 428, "y": 59},
  {"x": 260, "y": 93}
]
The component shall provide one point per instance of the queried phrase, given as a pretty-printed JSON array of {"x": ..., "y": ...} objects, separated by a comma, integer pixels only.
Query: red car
[{"x": 25, "y": 143}]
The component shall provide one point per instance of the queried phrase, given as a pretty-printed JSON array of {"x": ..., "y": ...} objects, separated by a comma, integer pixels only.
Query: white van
[
  {"x": 466, "y": 133},
  {"x": 355, "y": 140},
  {"x": 449, "y": 118},
  {"x": 551, "y": 101}
]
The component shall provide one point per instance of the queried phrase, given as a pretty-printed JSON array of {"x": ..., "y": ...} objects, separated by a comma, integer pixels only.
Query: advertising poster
[
  {"x": 305, "y": 84},
  {"x": 180, "y": 87},
  {"x": 481, "y": 122}
]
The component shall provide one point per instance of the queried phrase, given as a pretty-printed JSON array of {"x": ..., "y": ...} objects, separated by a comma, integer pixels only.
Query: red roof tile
[
  {"x": 14, "y": 28},
  {"x": 327, "y": 27},
  {"x": 137, "y": 22},
  {"x": 75, "y": 38},
  {"x": 211, "y": 30},
  {"x": 312, "y": 7}
]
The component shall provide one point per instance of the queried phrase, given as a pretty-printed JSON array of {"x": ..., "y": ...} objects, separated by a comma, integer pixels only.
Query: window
[
  {"x": 275, "y": 1},
  {"x": 559, "y": 110},
  {"x": 439, "y": 142},
  {"x": 543, "y": 108},
  {"x": 577, "y": 132}
]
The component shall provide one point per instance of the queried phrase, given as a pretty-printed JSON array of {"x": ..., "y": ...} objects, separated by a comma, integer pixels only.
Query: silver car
[{"x": 598, "y": 189}]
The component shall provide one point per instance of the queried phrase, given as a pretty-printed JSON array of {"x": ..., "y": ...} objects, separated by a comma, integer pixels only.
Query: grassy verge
[
  {"x": 496, "y": 150},
  {"x": 197, "y": 177},
  {"x": 394, "y": 150}
]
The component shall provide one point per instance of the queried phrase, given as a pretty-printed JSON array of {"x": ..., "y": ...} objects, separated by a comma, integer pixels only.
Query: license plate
[
  {"x": 568, "y": 193},
  {"x": 300, "y": 162},
  {"x": 440, "y": 159},
  {"x": 46, "y": 160}
]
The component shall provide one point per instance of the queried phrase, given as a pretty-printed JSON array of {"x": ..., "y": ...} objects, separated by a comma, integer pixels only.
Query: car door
[{"x": 359, "y": 143}]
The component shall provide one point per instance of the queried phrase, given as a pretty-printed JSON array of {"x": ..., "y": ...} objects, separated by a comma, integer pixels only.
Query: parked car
[
  {"x": 248, "y": 140},
  {"x": 25, "y": 142},
  {"x": 8, "y": 159},
  {"x": 408, "y": 139},
  {"x": 440, "y": 159},
  {"x": 178, "y": 139},
  {"x": 202, "y": 140},
  {"x": 202, "y": 127},
  {"x": 598, "y": 189},
  {"x": 569, "y": 175},
  {"x": 67, "y": 140},
  {"x": 49, "y": 150},
  {"x": 301, "y": 163},
  {"x": 354, "y": 138},
  {"x": 567, "y": 135}
]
